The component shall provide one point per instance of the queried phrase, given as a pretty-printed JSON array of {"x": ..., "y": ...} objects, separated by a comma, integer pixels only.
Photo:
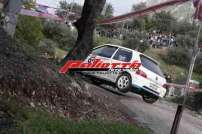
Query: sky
[{"x": 120, "y": 6}]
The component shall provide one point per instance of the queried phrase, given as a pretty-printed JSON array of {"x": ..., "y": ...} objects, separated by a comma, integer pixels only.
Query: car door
[
  {"x": 104, "y": 53},
  {"x": 121, "y": 56}
]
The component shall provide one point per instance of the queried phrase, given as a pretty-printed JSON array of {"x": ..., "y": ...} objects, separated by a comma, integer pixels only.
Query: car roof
[{"x": 130, "y": 50}]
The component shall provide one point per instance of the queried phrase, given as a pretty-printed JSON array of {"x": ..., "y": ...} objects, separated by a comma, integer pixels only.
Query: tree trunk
[
  {"x": 85, "y": 26},
  {"x": 11, "y": 10}
]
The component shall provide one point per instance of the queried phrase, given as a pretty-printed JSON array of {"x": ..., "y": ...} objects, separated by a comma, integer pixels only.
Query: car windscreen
[
  {"x": 151, "y": 65},
  {"x": 105, "y": 51},
  {"x": 123, "y": 55}
]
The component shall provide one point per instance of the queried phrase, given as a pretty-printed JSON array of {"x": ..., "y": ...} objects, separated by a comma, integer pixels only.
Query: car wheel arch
[{"x": 130, "y": 78}]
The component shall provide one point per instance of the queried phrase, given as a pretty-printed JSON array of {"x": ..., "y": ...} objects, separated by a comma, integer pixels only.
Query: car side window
[
  {"x": 105, "y": 51},
  {"x": 123, "y": 55}
]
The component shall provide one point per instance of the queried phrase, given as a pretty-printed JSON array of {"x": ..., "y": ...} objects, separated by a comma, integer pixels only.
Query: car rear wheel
[
  {"x": 124, "y": 82},
  {"x": 150, "y": 98}
]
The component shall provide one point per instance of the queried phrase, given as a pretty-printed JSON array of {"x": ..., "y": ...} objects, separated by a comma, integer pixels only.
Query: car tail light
[
  {"x": 141, "y": 73},
  {"x": 165, "y": 86}
]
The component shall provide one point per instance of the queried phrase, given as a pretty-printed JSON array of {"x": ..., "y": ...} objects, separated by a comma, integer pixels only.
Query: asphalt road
[{"x": 157, "y": 117}]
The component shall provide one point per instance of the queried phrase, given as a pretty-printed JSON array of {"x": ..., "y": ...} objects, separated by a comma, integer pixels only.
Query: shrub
[
  {"x": 104, "y": 40},
  {"x": 47, "y": 47},
  {"x": 29, "y": 30},
  {"x": 182, "y": 57},
  {"x": 194, "y": 101},
  {"x": 163, "y": 21},
  {"x": 185, "y": 41},
  {"x": 60, "y": 34},
  {"x": 178, "y": 56},
  {"x": 137, "y": 41}
]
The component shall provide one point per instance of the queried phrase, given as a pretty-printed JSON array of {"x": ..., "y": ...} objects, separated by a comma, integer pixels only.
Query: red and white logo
[{"x": 96, "y": 65}]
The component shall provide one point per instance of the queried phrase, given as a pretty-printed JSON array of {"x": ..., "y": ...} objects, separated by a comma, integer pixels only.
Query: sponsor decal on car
[{"x": 97, "y": 65}]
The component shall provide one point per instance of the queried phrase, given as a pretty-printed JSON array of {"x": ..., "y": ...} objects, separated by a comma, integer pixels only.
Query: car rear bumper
[
  {"x": 142, "y": 84},
  {"x": 143, "y": 90}
]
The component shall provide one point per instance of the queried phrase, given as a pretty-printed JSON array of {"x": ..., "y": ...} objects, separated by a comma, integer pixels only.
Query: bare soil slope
[{"x": 36, "y": 82}]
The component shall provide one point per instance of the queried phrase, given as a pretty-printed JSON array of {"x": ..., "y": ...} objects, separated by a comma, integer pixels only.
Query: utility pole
[
  {"x": 11, "y": 10},
  {"x": 180, "y": 109}
]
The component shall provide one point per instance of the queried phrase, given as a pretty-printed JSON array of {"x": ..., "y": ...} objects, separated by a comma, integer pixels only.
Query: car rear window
[
  {"x": 105, "y": 51},
  {"x": 123, "y": 55},
  {"x": 151, "y": 65}
]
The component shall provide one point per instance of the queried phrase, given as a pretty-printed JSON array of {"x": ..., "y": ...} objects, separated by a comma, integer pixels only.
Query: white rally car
[{"x": 147, "y": 81}]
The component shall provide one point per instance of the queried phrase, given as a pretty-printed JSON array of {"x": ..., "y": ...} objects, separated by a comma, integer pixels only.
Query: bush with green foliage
[
  {"x": 47, "y": 46},
  {"x": 109, "y": 11},
  {"x": 139, "y": 6},
  {"x": 184, "y": 27},
  {"x": 61, "y": 34},
  {"x": 104, "y": 40},
  {"x": 29, "y": 30},
  {"x": 163, "y": 21},
  {"x": 137, "y": 41},
  {"x": 185, "y": 41},
  {"x": 178, "y": 56},
  {"x": 194, "y": 101},
  {"x": 182, "y": 57},
  {"x": 140, "y": 23},
  {"x": 28, "y": 4},
  {"x": 74, "y": 7}
]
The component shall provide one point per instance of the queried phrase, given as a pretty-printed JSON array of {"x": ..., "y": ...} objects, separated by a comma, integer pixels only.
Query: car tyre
[
  {"x": 150, "y": 99},
  {"x": 124, "y": 83}
]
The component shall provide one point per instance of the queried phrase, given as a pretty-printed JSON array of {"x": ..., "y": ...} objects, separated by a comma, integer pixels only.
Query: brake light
[
  {"x": 141, "y": 73},
  {"x": 165, "y": 86}
]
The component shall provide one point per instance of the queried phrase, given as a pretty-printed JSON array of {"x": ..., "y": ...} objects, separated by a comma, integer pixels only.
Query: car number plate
[{"x": 153, "y": 86}]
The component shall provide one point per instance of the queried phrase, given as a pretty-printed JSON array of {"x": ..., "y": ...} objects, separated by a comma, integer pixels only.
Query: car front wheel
[{"x": 124, "y": 82}]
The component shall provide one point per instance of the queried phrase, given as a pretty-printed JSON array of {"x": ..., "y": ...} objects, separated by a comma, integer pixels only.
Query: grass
[
  {"x": 45, "y": 124},
  {"x": 59, "y": 53},
  {"x": 39, "y": 121},
  {"x": 197, "y": 77}
]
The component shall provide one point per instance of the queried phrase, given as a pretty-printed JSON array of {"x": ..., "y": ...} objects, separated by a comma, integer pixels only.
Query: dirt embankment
[{"x": 36, "y": 81}]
